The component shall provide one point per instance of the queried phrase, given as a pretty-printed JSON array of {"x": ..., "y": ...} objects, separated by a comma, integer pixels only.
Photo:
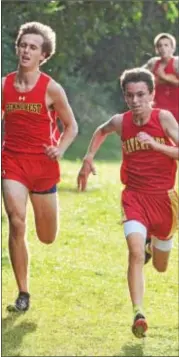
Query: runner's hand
[
  {"x": 145, "y": 138},
  {"x": 83, "y": 174},
  {"x": 53, "y": 152}
]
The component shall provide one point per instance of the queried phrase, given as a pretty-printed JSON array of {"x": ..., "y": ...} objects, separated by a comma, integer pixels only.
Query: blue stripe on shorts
[{"x": 53, "y": 189}]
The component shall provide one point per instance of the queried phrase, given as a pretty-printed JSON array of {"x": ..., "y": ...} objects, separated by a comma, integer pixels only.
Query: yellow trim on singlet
[
  {"x": 174, "y": 206},
  {"x": 123, "y": 215},
  {"x": 122, "y": 212}
]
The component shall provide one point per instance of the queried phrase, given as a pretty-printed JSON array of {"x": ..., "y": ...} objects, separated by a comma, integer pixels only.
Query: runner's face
[
  {"x": 29, "y": 51},
  {"x": 165, "y": 48},
  {"x": 138, "y": 97}
]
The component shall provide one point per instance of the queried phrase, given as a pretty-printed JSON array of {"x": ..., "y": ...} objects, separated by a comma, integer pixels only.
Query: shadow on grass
[
  {"x": 12, "y": 336},
  {"x": 137, "y": 349},
  {"x": 130, "y": 349}
]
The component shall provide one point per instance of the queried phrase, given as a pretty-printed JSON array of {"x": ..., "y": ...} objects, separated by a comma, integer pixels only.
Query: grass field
[{"x": 80, "y": 302}]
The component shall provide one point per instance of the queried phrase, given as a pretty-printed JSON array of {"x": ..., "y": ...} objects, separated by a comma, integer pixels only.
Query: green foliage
[
  {"x": 92, "y": 102},
  {"x": 98, "y": 37},
  {"x": 96, "y": 41},
  {"x": 171, "y": 8}
]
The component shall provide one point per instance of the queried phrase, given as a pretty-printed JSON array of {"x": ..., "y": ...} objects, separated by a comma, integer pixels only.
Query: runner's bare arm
[
  {"x": 99, "y": 136},
  {"x": 176, "y": 65},
  {"x": 171, "y": 129},
  {"x": 168, "y": 77},
  {"x": 164, "y": 77},
  {"x": 174, "y": 78},
  {"x": 150, "y": 64},
  {"x": 57, "y": 96},
  {"x": 3, "y": 82},
  {"x": 171, "y": 78}
]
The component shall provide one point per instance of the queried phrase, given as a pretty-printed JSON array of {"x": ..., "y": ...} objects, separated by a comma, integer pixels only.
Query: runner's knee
[
  {"x": 47, "y": 237},
  {"x": 16, "y": 223},
  {"x": 160, "y": 268},
  {"x": 137, "y": 256},
  {"x": 161, "y": 251},
  {"x": 135, "y": 233}
]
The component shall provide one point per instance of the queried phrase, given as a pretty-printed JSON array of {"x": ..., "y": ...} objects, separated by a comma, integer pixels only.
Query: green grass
[{"x": 80, "y": 301}]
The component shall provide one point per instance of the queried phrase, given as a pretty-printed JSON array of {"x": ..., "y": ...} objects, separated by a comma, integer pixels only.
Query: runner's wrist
[{"x": 88, "y": 159}]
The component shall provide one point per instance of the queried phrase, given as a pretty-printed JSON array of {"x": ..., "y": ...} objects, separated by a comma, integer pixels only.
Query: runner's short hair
[
  {"x": 165, "y": 35},
  {"x": 136, "y": 75},
  {"x": 49, "y": 36}
]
